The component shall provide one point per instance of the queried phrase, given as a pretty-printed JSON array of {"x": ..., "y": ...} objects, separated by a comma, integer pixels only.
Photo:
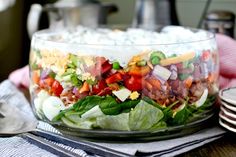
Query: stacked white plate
[{"x": 228, "y": 109}]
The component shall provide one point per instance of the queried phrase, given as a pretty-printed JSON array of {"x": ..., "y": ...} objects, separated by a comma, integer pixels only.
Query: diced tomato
[
  {"x": 99, "y": 87},
  {"x": 205, "y": 55},
  {"x": 139, "y": 71},
  {"x": 114, "y": 78},
  {"x": 106, "y": 67},
  {"x": 56, "y": 88},
  {"x": 134, "y": 83}
]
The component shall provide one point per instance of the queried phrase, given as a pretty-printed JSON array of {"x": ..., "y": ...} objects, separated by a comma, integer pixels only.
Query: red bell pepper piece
[{"x": 114, "y": 78}]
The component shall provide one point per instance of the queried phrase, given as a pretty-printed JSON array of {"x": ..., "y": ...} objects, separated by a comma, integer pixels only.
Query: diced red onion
[
  {"x": 45, "y": 73},
  {"x": 161, "y": 73},
  {"x": 204, "y": 70},
  {"x": 75, "y": 90},
  {"x": 163, "y": 87},
  {"x": 173, "y": 67},
  {"x": 173, "y": 75}
]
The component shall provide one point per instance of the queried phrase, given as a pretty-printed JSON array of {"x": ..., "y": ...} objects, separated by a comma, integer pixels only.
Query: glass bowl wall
[{"x": 130, "y": 88}]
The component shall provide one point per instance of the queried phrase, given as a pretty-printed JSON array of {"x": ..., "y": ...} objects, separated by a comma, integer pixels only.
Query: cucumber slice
[{"x": 158, "y": 54}]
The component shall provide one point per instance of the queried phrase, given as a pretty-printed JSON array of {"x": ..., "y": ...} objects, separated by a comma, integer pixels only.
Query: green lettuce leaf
[
  {"x": 144, "y": 116},
  {"x": 92, "y": 113},
  {"x": 159, "y": 125},
  {"x": 117, "y": 122},
  {"x": 85, "y": 124}
]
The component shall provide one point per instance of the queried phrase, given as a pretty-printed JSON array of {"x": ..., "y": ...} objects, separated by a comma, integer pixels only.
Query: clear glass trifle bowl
[{"x": 123, "y": 81}]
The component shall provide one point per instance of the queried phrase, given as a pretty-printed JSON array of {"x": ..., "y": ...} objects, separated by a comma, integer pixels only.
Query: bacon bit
[
  {"x": 188, "y": 82},
  {"x": 148, "y": 85},
  {"x": 211, "y": 77},
  {"x": 155, "y": 83}
]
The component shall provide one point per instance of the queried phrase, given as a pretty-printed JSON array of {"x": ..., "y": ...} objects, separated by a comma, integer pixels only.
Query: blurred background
[{"x": 15, "y": 41}]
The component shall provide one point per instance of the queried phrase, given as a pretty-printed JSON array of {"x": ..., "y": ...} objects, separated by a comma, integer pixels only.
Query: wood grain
[{"x": 223, "y": 147}]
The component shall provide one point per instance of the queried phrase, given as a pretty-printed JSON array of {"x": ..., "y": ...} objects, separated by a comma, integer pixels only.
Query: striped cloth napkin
[{"x": 17, "y": 146}]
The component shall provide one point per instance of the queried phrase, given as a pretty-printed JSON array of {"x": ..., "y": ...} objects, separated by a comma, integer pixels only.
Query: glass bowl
[{"x": 85, "y": 82}]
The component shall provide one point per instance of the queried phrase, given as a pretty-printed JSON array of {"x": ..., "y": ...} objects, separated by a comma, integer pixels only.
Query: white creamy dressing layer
[{"x": 123, "y": 45}]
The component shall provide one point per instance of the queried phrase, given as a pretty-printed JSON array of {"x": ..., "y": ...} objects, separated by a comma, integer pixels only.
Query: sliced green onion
[
  {"x": 91, "y": 82},
  {"x": 116, "y": 65},
  {"x": 141, "y": 63},
  {"x": 75, "y": 81}
]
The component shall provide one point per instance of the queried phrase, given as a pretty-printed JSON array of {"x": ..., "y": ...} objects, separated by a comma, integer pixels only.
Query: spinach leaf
[
  {"x": 129, "y": 104},
  {"x": 181, "y": 117},
  {"x": 87, "y": 103},
  {"x": 168, "y": 112},
  {"x": 152, "y": 102},
  {"x": 109, "y": 106}
]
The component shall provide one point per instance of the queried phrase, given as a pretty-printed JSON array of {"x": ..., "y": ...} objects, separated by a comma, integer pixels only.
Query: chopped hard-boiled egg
[
  {"x": 38, "y": 102},
  {"x": 203, "y": 98},
  {"x": 134, "y": 95},
  {"x": 52, "y": 107},
  {"x": 122, "y": 94}
]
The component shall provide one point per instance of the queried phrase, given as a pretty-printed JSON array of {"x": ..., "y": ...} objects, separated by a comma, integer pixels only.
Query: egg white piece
[
  {"x": 52, "y": 107},
  {"x": 38, "y": 101}
]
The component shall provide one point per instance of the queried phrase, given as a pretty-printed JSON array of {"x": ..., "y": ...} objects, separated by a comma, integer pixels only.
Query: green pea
[
  {"x": 141, "y": 63},
  {"x": 116, "y": 65},
  {"x": 155, "y": 60}
]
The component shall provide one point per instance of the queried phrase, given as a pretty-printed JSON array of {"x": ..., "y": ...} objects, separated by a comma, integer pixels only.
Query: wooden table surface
[{"x": 223, "y": 147}]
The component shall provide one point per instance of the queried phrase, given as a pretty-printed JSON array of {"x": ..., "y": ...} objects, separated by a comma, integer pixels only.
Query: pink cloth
[
  {"x": 20, "y": 77},
  {"x": 227, "y": 51}
]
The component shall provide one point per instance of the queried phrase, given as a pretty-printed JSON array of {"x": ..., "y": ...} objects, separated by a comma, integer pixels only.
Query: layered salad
[{"x": 131, "y": 79}]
